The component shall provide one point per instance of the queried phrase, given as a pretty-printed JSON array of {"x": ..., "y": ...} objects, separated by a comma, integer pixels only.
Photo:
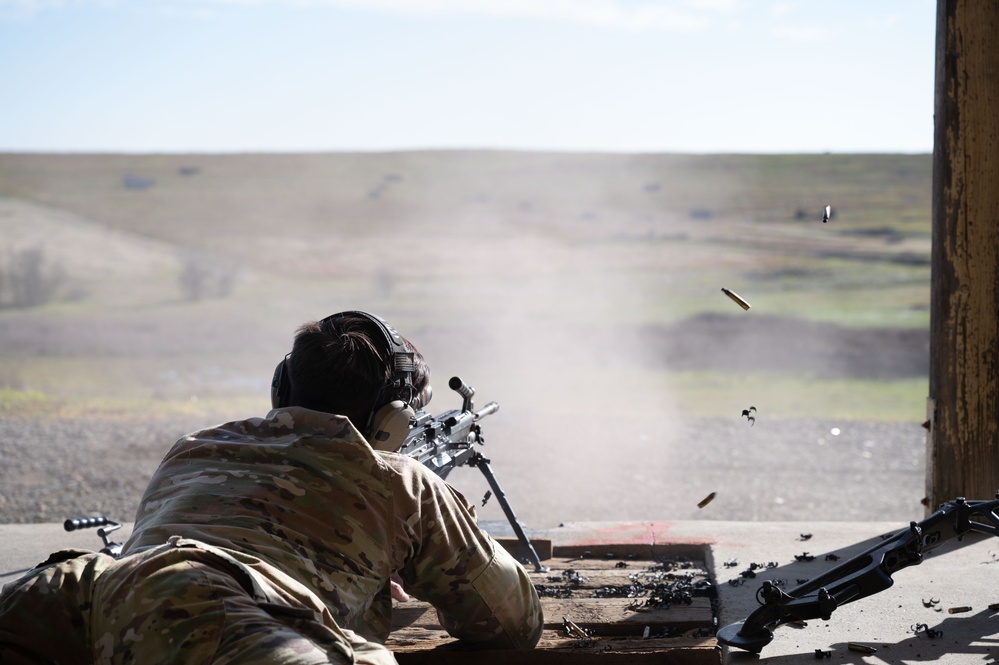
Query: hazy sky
[{"x": 580, "y": 75}]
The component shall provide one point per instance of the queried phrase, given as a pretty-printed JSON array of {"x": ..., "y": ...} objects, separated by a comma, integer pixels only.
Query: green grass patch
[
  {"x": 780, "y": 396},
  {"x": 23, "y": 401},
  {"x": 34, "y": 404},
  {"x": 849, "y": 293}
]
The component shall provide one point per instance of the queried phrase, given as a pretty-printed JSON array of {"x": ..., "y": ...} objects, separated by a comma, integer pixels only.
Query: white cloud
[
  {"x": 783, "y": 8},
  {"x": 21, "y": 8},
  {"x": 713, "y": 5},
  {"x": 26, "y": 8},
  {"x": 185, "y": 12},
  {"x": 628, "y": 15},
  {"x": 802, "y": 33},
  {"x": 615, "y": 14},
  {"x": 884, "y": 22}
]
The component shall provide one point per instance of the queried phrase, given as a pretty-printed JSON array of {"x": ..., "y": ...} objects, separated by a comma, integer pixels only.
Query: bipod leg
[{"x": 483, "y": 464}]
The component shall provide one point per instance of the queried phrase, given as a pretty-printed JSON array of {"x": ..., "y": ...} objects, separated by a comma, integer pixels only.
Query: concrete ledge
[{"x": 958, "y": 574}]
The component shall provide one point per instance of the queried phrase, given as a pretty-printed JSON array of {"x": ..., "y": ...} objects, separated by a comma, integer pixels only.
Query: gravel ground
[
  {"x": 790, "y": 470},
  {"x": 54, "y": 469}
]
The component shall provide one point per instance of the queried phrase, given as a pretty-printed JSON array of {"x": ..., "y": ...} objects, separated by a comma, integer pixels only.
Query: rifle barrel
[{"x": 491, "y": 407}]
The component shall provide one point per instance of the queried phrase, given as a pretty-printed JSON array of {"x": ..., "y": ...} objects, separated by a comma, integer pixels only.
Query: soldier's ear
[{"x": 390, "y": 426}]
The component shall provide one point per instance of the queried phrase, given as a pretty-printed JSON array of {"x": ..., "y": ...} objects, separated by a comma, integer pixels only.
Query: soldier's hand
[{"x": 398, "y": 593}]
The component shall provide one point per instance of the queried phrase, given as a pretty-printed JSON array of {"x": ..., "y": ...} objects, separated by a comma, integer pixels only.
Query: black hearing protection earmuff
[
  {"x": 280, "y": 385},
  {"x": 388, "y": 422}
]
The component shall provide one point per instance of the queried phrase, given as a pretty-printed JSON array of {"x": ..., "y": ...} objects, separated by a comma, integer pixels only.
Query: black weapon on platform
[
  {"x": 444, "y": 442},
  {"x": 865, "y": 574},
  {"x": 106, "y": 527}
]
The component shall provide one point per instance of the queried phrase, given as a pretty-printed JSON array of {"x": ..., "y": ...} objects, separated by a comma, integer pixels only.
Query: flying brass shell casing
[
  {"x": 706, "y": 500},
  {"x": 735, "y": 296}
]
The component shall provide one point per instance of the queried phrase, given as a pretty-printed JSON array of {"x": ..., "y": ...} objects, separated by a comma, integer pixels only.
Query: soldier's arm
[{"x": 481, "y": 593}]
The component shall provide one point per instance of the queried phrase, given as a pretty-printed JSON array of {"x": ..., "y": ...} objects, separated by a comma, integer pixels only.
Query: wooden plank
[
  {"x": 661, "y": 652},
  {"x": 615, "y": 597},
  {"x": 431, "y": 646},
  {"x": 963, "y": 438},
  {"x": 542, "y": 546},
  {"x": 555, "y": 641},
  {"x": 414, "y": 614},
  {"x": 589, "y": 579},
  {"x": 609, "y": 563},
  {"x": 679, "y": 563},
  {"x": 603, "y": 616},
  {"x": 611, "y": 616},
  {"x": 643, "y": 551},
  {"x": 595, "y": 573},
  {"x": 616, "y": 625}
]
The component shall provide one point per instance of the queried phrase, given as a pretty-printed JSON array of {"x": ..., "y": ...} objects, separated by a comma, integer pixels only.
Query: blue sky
[{"x": 697, "y": 76}]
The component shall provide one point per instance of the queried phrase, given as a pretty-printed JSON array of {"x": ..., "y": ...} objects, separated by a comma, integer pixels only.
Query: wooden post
[{"x": 963, "y": 408}]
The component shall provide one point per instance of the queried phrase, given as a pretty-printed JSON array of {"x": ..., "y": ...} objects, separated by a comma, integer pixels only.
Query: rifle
[
  {"x": 865, "y": 574},
  {"x": 444, "y": 442}
]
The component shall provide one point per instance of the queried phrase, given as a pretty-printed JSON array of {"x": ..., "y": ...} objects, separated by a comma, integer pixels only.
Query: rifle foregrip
[{"x": 85, "y": 523}]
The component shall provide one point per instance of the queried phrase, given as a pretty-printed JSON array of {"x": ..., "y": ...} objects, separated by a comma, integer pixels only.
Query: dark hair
[{"x": 342, "y": 364}]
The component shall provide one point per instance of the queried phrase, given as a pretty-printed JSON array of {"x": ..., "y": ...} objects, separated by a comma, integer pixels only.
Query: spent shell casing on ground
[
  {"x": 735, "y": 296},
  {"x": 959, "y": 610},
  {"x": 573, "y": 629},
  {"x": 861, "y": 648}
]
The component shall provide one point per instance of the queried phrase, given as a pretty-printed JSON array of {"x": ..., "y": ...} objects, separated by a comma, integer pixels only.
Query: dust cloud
[{"x": 564, "y": 287}]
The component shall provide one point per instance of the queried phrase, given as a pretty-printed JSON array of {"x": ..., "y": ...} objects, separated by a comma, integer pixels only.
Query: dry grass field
[{"x": 580, "y": 291}]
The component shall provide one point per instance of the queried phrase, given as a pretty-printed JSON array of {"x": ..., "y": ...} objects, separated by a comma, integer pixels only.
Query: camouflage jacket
[
  {"x": 45, "y": 614},
  {"x": 303, "y": 492}
]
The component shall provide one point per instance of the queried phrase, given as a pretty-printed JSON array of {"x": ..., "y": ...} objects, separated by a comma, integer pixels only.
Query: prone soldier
[{"x": 277, "y": 539}]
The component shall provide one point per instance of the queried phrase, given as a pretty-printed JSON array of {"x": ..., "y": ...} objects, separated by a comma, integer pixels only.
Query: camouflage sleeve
[
  {"x": 509, "y": 595},
  {"x": 45, "y": 615},
  {"x": 481, "y": 593}
]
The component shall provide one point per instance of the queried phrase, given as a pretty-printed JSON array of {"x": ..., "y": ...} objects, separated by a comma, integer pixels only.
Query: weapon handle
[
  {"x": 464, "y": 390},
  {"x": 457, "y": 385},
  {"x": 85, "y": 523}
]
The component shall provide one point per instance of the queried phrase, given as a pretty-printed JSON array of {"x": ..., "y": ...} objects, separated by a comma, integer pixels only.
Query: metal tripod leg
[{"x": 483, "y": 464}]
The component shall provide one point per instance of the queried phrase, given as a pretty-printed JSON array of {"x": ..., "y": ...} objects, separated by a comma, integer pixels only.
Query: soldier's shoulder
[
  {"x": 416, "y": 477},
  {"x": 403, "y": 464}
]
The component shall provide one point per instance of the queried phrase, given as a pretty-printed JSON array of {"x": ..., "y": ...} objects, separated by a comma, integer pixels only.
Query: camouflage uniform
[
  {"x": 44, "y": 615},
  {"x": 272, "y": 540}
]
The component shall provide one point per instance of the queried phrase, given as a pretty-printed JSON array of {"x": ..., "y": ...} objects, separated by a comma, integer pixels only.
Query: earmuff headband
[{"x": 401, "y": 364}]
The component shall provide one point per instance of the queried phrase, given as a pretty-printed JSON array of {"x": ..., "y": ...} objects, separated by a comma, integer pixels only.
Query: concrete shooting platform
[{"x": 961, "y": 574}]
